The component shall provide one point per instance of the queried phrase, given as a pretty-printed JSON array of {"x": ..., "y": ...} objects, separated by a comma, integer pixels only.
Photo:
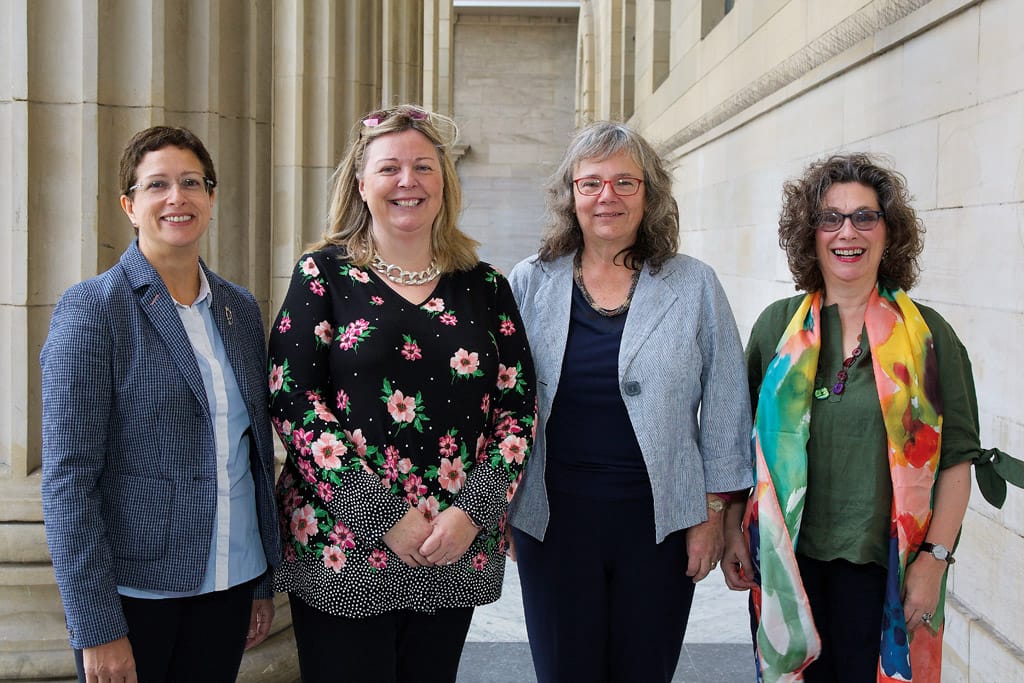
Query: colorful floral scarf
[{"x": 905, "y": 369}]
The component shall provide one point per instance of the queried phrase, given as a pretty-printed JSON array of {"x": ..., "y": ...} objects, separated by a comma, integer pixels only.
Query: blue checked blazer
[
  {"x": 682, "y": 376},
  {"x": 129, "y": 465}
]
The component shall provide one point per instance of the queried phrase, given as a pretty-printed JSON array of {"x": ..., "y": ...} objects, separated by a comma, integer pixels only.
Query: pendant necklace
[{"x": 841, "y": 377}]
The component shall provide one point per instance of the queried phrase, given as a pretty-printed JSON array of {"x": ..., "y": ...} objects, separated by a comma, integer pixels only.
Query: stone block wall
[
  {"x": 514, "y": 79},
  {"x": 937, "y": 87}
]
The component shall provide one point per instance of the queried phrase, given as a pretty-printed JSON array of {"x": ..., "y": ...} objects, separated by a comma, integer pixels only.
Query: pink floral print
[{"x": 371, "y": 432}]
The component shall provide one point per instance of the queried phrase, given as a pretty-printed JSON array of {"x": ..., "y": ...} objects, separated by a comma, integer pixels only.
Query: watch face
[{"x": 940, "y": 552}]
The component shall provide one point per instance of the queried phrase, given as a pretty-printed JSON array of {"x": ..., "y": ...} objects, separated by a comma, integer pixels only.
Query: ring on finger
[{"x": 926, "y": 617}]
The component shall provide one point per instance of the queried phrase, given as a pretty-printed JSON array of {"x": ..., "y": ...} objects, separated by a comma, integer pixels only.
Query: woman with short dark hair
[{"x": 158, "y": 457}]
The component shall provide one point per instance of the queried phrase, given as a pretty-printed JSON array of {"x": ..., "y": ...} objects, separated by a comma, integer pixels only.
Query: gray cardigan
[{"x": 682, "y": 377}]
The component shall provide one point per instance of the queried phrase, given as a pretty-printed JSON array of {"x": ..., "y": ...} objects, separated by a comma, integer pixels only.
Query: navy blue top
[{"x": 591, "y": 447}]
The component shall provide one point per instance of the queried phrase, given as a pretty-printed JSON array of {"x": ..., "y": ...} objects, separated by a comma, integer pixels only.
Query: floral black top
[{"x": 383, "y": 404}]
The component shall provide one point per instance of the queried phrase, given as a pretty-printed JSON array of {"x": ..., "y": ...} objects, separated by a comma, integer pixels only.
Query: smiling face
[
  {"x": 848, "y": 257},
  {"x": 176, "y": 220},
  {"x": 402, "y": 184},
  {"x": 606, "y": 218}
]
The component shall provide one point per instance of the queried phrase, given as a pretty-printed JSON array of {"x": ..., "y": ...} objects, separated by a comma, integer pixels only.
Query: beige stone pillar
[
  {"x": 438, "y": 56},
  {"x": 586, "y": 66},
  {"x": 78, "y": 78}
]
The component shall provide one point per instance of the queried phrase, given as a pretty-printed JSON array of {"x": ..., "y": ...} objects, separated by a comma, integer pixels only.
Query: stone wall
[
  {"x": 514, "y": 105},
  {"x": 938, "y": 88}
]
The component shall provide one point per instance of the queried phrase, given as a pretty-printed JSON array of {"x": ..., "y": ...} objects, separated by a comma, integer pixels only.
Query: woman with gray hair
[{"x": 643, "y": 420}]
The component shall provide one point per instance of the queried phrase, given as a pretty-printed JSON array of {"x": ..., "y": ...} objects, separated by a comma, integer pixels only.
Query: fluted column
[
  {"x": 77, "y": 80},
  {"x": 327, "y": 72},
  {"x": 438, "y": 57}
]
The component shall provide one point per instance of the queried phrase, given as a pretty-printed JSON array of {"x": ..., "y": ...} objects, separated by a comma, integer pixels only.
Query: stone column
[
  {"x": 78, "y": 79},
  {"x": 438, "y": 56}
]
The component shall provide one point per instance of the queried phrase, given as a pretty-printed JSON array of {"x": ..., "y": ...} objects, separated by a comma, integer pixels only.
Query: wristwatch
[
  {"x": 938, "y": 551},
  {"x": 716, "y": 504}
]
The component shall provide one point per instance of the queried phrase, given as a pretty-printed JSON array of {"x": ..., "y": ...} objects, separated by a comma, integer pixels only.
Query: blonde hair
[{"x": 349, "y": 221}]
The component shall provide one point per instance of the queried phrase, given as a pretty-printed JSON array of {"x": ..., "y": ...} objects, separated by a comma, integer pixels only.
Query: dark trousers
[
  {"x": 846, "y": 602},
  {"x": 200, "y": 638},
  {"x": 604, "y": 603},
  {"x": 395, "y": 647}
]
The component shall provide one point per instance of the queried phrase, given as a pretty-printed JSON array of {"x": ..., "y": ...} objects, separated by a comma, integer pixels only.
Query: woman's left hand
[
  {"x": 259, "y": 622},
  {"x": 452, "y": 534},
  {"x": 921, "y": 589},
  {"x": 705, "y": 544}
]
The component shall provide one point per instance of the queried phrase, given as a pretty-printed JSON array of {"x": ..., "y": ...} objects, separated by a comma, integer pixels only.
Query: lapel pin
[{"x": 227, "y": 314}]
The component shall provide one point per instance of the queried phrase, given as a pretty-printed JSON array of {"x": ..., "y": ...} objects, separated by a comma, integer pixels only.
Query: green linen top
[{"x": 849, "y": 491}]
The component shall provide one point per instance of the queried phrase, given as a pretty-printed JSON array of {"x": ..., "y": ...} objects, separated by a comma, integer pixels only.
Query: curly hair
[
  {"x": 657, "y": 238},
  {"x": 349, "y": 221},
  {"x": 803, "y": 198}
]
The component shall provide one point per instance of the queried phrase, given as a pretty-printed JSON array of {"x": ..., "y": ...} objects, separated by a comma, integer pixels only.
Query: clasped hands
[{"x": 441, "y": 541}]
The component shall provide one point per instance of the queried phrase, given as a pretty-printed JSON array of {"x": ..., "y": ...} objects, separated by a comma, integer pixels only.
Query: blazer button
[{"x": 632, "y": 388}]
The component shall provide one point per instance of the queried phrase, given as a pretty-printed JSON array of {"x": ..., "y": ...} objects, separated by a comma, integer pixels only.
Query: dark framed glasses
[{"x": 862, "y": 219}]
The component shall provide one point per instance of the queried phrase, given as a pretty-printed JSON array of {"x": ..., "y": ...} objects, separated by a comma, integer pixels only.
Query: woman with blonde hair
[{"x": 402, "y": 387}]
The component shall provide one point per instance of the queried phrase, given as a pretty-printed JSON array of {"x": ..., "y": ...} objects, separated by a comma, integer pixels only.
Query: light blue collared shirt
[{"x": 236, "y": 550}]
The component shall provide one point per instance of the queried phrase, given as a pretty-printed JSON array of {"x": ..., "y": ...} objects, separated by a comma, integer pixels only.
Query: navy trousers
[{"x": 604, "y": 603}]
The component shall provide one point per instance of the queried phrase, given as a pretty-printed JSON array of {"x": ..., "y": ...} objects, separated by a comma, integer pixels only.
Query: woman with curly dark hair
[
  {"x": 864, "y": 432},
  {"x": 624, "y": 494}
]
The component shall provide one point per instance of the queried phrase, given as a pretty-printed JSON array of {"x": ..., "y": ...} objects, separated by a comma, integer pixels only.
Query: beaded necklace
[
  {"x": 844, "y": 374},
  {"x": 577, "y": 275}
]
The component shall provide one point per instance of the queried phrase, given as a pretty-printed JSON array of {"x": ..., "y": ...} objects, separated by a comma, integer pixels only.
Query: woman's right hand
[
  {"x": 406, "y": 537},
  {"x": 111, "y": 662},
  {"x": 736, "y": 564}
]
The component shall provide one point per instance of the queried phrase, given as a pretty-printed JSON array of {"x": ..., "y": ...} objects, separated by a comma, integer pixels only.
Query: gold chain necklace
[
  {"x": 577, "y": 276},
  {"x": 404, "y": 277}
]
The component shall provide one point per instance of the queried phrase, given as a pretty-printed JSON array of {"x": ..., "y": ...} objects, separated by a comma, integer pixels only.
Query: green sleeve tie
[{"x": 993, "y": 468}]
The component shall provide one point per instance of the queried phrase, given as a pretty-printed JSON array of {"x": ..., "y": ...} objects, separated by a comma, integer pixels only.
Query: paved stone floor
[{"x": 716, "y": 650}]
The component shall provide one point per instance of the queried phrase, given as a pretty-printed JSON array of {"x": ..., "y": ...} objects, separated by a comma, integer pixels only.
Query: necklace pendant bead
[{"x": 821, "y": 393}]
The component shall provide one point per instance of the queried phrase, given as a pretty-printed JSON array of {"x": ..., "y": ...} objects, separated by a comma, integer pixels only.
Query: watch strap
[{"x": 931, "y": 549}]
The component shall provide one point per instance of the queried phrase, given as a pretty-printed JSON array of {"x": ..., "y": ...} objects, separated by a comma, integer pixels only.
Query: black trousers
[
  {"x": 604, "y": 603},
  {"x": 846, "y": 601},
  {"x": 183, "y": 640},
  {"x": 396, "y": 647}
]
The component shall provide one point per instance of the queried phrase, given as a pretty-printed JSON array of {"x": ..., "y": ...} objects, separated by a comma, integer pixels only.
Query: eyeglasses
[
  {"x": 623, "y": 187},
  {"x": 379, "y": 117},
  {"x": 862, "y": 219},
  {"x": 158, "y": 188}
]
